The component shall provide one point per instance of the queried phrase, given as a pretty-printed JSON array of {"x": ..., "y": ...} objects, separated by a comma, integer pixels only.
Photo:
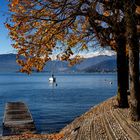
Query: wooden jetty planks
[{"x": 17, "y": 119}]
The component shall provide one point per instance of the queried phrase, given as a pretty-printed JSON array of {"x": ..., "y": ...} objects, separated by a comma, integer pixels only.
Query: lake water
[{"x": 53, "y": 107}]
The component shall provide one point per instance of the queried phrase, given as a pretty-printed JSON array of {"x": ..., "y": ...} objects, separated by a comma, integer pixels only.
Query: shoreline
[{"x": 104, "y": 121}]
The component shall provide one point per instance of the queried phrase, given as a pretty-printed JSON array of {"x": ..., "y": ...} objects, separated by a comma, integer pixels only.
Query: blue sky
[{"x": 5, "y": 42}]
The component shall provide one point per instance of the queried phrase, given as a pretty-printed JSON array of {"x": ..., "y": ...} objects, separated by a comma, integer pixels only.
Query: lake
[{"x": 53, "y": 107}]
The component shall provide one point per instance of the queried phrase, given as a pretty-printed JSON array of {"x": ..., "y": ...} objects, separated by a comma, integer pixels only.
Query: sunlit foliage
[
  {"x": 36, "y": 27},
  {"x": 39, "y": 26}
]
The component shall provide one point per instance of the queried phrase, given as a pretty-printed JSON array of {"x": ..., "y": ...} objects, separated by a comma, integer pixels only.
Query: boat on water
[{"x": 52, "y": 79}]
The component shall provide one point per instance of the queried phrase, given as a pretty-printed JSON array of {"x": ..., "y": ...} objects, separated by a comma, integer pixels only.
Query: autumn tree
[
  {"x": 124, "y": 22},
  {"x": 125, "y": 29},
  {"x": 38, "y": 26},
  {"x": 111, "y": 14},
  {"x": 41, "y": 24}
]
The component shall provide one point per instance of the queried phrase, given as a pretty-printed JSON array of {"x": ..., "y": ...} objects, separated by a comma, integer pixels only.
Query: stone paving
[{"x": 102, "y": 122}]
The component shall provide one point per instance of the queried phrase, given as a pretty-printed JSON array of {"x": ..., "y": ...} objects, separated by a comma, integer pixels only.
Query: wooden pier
[{"x": 17, "y": 119}]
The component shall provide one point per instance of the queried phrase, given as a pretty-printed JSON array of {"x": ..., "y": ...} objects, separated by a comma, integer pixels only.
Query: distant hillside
[
  {"x": 8, "y": 63},
  {"x": 88, "y": 62},
  {"x": 58, "y": 66},
  {"x": 104, "y": 66},
  {"x": 94, "y": 64}
]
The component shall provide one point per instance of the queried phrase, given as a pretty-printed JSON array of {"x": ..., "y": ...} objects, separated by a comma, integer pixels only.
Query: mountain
[
  {"x": 98, "y": 53},
  {"x": 104, "y": 66},
  {"x": 93, "y": 64},
  {"x": 88, "y": 62},
  {"x": 8, "y": 63},
  {"x": 58, "y": 66}
]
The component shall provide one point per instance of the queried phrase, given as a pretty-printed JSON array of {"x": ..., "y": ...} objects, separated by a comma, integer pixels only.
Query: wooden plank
[{"x": 17, "y": 119}]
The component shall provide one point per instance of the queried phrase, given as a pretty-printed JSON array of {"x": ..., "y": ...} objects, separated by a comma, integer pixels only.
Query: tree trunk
[
  {"x": 127, "y": 67},
  {"x": 122, "y": 72},
  {"x": 121, "y": 61},
  {"x": 132, "y": 40}
]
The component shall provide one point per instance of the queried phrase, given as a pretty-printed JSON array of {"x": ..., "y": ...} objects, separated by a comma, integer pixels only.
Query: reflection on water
[
  {"x": 55, "y": 105},
  {"x": 53, "y": 85}
]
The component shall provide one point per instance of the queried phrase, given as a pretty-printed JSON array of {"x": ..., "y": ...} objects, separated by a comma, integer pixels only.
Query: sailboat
[{"x": 52, "y": 79}]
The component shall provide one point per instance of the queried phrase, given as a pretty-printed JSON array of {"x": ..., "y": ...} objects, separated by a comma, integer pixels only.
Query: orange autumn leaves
[
  {"x": 14, "y": 3},
  {"x": 36, "y": 27},
  {"x": 57, "y": 136}
]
